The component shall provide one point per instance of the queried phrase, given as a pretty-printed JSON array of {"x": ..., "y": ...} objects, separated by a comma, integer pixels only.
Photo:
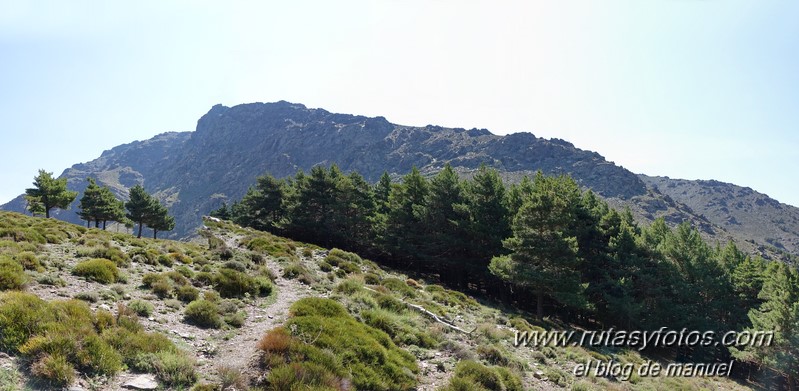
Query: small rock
[
  {"x": 105, "y": 307},
  {"x": 142, "y": 382},
  {"x": 151, "y": 319},
  {"x": 538, "y": 374},
  {"x": 270, "y": 316},
  {"x": 76, "y": 388}
]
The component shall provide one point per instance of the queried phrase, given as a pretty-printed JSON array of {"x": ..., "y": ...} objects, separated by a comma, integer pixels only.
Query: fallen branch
[
  {"x": 437, "y": 318},
  {"x": 430, "y": 314}
]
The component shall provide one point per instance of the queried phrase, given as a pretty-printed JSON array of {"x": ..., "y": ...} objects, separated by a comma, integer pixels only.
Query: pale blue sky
[{"x": 694, "y": 89}]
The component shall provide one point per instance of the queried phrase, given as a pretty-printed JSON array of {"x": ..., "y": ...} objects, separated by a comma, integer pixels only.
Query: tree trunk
[
  {"x": 96, "y": 223},
  {"x": 88, "y": 223},
  {"x": 540, "y": 304},
  {"x": 791, "y": 382},
  {"x": 155, "y": 233},
  {"x": 46, "y": 213},
  {"x": 140, "y": 226},
  {"x": 104, "y": 225}
]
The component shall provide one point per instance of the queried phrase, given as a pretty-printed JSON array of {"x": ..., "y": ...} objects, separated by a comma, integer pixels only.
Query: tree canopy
[{"x": 48, "y": 193}]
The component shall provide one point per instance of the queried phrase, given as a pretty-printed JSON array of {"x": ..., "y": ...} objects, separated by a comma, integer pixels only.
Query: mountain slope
[
  {"x": 743, "y": 212},
  {"x": 195, "y": 172}
]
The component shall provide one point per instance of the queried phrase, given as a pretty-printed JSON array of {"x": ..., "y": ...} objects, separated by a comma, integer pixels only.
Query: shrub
[
  {"x": 162, "y": 288},
  {"x": 51, "y": 279},
  {"x": 180, "y": 257},
  {"x": 185, "y": 271},
  {"x": 231, "y": 283},
  {"x": 324, "y": 328},
  {"x": 492, "y": 354},
  {"x": 141, "y": 307},
  {"x": 187, "y": 293},
  {"x": 476, "y": 374},
  {"x": 235, "y": 265},
  {"x": 398, "y": 286},
  {"x": 174, "y": 369},
  {"x": 97, "y": 269},
  {"x": 91, "y": 297},
  {"x": 349, "y": 286},
  {"x": 236, "y": 319},
  {"x": 177, "y": 277},
  {"x": 203, "y": 313},
  {"x": 325, "y": 267},
  {"x": 371, "y": 278},
  {"x": 12, "y": 275},
  {"x": 203, "y": 279},
  {"x": 349, "y": 267},
  {"x": 106, "y": 251},
  {"x": 99, "y": 357},
  {"x": 264, "y": 285},
  {"x": 55, "y": 369},
  {"x": 294, "y": 270},
  {"x": 388, "y": 302},
  {"x": 336, "y": 256},
  {"x": 28, "y": 261}
]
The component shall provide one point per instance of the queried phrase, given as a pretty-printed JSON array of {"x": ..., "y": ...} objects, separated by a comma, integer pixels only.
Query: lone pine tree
[{"x": 48, "y": 193}]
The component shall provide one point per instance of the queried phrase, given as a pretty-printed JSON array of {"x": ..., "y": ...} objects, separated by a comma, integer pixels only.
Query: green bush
[
  {"x": 327, "y": 343},
  {"x": 398, "y": 286},
  {"x": 174, "y": 369},
  {"x": 471, "y": 375},
  {"x": 371, "y": 278},
  {"x": 28, "y": 261},
  {"x": 22, "y": 315},
  {"x": 89, "y": 296},
  {"x": 97, "y": 269},
  {"x": 390, "y": 303},
  {"x": 12, "y": 275},
  {"x": 55, "y": 369},
  {"x": 231, "y": 283},
  {"x": 203, "y": 313},
  {"x": 203, "y": 279},
  {"x": 349, "y": 286},
  {"x": 349, "y": 267},
  {"x": 141, "y": 307},
  {"x": 187, "y": 293},
  {"x": 336, "y": 256},
  {"x": 106, "y": 251},
  {"x": 294, "y": 270}
]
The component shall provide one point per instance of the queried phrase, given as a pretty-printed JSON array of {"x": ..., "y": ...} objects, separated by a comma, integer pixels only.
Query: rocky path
[{"x": 240, "y": 352}]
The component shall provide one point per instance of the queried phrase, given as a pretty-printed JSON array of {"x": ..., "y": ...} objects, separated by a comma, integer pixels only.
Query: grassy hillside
[{"x": 247, "y": 309}]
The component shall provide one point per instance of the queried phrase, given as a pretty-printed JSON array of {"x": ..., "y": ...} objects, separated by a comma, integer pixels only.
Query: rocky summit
[{"x": 195, "y": 172}]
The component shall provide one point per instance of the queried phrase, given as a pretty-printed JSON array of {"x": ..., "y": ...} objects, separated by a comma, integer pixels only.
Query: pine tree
[
  {"x": 99, "y": 204},
  {"x": 446, "y": 217},
  {"x": 159, "y": 218},
  {"x": 490, "y": 215},
  {"x": 50, "y": 192},
  {"x": 140, "y": 207},
  {"x": 355, "y": 211},
  {"x": 264, "y": 204},
  {"x": 405, "y": 233},
  {"x": 382, "y": 193},
  {"x": 778, "y": 313},
  {"x": 543, "y": 248},
  {"x": 33, "y": 206},
  {"x": 112, "y": 208}
]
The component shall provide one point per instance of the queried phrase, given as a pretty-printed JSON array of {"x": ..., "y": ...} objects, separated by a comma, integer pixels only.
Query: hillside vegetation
[{"x": 251, "y": 310}]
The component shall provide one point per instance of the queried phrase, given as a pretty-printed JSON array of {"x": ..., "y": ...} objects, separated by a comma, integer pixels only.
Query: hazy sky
[{"x": 696, "y": 89}]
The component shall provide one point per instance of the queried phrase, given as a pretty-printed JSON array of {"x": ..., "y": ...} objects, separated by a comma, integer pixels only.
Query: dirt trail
[{"x": 240, "y": 351}]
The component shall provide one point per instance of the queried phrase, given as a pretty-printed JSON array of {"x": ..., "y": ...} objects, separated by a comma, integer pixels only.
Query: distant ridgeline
[
  {"x": 193, "y": 173},
  {"x": 544, "y": 238}
]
